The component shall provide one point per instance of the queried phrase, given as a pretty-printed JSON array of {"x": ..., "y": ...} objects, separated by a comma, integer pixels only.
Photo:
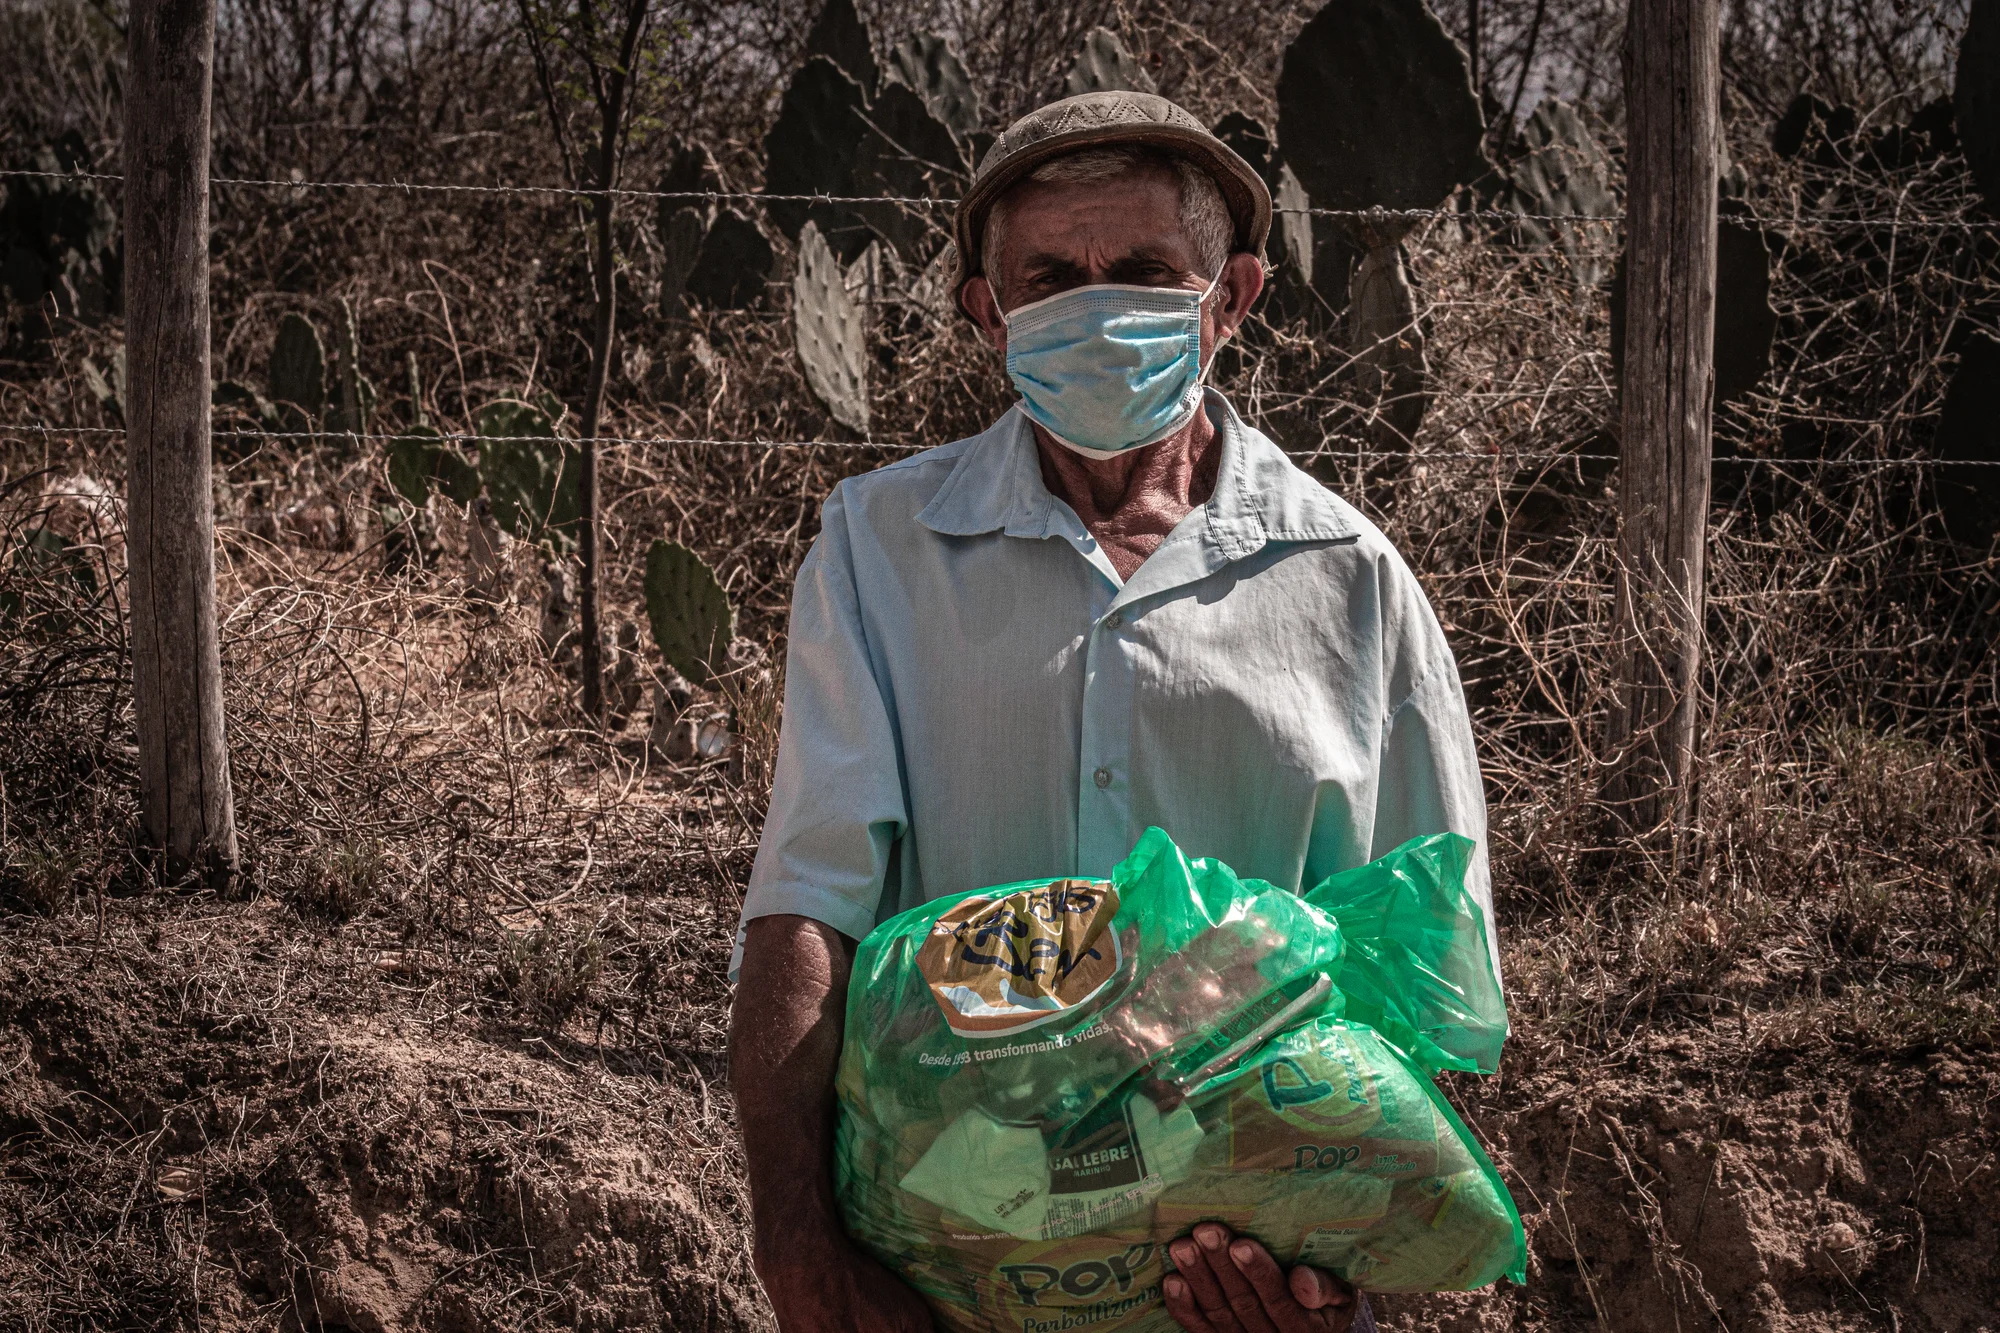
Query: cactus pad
[
  {"x": 419, "y": 460},
  {"x": 1388, "y": 340},
  {"x": 682, "y": 231},
  {"x": 832, "y": 338},
  {"x": 1376, "y": 109},
  {"x": 1564, "y": 170},
  {"x": 1976, "y": 97},
  {"x": 690, "y": 614},
  {"x": 530, "y": 472},
  {"x": 1817, "y": 130},
  {"x": 841, "y": 35},
  {"x": 354, "y": 394},
  {"x": 927, "y": 65},
  {"x": 815, "y": 147},
  {"x": 683, "y": 223},
  {"x": 733, "y": 265},
  {"x": 298, "y": 371},
  {"x": 1969, "y": 429},
  {"x": 1294, "y": 224},
  {"x": 1104, "y": 65},
  {"x": 905, "y": 152},
  {"x": 1250, "y": 139},
  {"x": 1745, "y": 323}
]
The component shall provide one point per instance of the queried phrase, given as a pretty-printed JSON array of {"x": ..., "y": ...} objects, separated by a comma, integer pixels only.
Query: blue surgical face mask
[{"x": 1109, "y": 368}]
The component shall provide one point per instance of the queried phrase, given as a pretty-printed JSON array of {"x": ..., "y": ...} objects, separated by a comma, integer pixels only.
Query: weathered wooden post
[
  {"x": 1672, "y": 83},
  {"x": 184, "y": 795}
]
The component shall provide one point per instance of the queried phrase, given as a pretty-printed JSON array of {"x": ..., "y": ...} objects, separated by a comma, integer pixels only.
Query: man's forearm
[{"x": 784, "y": 1049}]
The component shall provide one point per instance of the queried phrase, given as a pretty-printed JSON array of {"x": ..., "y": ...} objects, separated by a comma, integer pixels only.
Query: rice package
[{"x": 1044, "y": 1083}]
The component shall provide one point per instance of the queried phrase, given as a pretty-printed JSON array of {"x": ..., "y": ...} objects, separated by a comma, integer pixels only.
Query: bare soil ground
[{"x": 221, "y": 1114}]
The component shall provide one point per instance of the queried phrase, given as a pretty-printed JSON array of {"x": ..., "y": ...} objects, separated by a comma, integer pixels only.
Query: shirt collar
[{"x": 1260, "y": 496}]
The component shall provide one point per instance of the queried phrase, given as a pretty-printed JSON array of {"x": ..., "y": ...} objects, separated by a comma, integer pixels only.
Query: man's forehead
[
  {"x": 1076, "y": 248},
  {"x": 1136, "y": 213}
]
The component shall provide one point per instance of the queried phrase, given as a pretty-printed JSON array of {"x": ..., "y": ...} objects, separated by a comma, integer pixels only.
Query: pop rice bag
[{"x": 1044, "y": 1083}]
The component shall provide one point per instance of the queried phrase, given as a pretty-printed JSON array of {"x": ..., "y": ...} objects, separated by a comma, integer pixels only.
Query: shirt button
[
  {"x": 1115, "y": 620},
  {"x": 1102, "y": 777}
]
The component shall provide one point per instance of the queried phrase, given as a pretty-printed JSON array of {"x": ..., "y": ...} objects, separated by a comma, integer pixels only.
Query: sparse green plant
[
  {"x": 334, "y": 882},
  {"x": 548, "y": 972},
  {"x": 41, "y": 877}
]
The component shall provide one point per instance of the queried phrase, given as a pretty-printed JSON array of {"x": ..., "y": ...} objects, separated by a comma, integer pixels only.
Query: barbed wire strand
[
  {"x": 1413, "y": 456},
  {"x": 927, "y": 201}
]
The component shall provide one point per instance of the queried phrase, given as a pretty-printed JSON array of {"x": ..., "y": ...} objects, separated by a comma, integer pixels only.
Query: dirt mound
[
  {"x": 216, "y": 1117},
  {"x": 1702, "y": 1182},
  {"x": 221, "y": 1115}
]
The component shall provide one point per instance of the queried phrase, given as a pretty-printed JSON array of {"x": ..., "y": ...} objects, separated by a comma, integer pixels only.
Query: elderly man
[{"x": 1119, "y": 606}]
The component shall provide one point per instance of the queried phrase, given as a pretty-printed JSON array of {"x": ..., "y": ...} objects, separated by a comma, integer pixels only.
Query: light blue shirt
[{"x": 973, "y": 695}]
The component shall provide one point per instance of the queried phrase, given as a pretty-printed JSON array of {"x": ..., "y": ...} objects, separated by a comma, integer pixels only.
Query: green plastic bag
[{"x": 1043, "y": 1083}]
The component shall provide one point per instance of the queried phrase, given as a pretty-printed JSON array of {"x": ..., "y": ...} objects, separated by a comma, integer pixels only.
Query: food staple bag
[{"x": 1043, "y": 1083}]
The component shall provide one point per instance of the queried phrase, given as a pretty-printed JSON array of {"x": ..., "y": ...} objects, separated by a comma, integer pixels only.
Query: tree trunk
[
  {"x": 184, "y": 796},
  {"x": 1672, "y": 82},
  {"x": 591, "y": 657},
  {"x": 617, "y": 89}
]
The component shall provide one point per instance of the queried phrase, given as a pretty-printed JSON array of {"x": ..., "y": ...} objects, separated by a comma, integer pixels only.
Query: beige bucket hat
[{"x": 1097, "y": 120}]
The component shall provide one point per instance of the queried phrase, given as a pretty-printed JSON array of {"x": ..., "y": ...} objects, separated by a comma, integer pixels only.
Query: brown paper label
[{"x": 1001, "y": 964}]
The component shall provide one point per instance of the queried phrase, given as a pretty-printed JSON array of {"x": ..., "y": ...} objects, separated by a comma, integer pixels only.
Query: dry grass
[{"x": 423, "y": 807}]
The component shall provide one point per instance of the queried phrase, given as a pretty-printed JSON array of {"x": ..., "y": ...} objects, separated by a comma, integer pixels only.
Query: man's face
[{"x": 1125, "y": 229}]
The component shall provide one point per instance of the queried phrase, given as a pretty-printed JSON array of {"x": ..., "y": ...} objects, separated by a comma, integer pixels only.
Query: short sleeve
[{"x": 837, "y": 803}]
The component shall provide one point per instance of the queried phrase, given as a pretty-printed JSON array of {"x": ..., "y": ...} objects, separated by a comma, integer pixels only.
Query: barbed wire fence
[{"x": 1834, "y": 604}]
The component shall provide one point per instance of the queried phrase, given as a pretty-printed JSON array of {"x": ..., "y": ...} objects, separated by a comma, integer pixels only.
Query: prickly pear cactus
[
  {"x": 354, "y": 395},
  {"x": 684, "y": 223},
  {"x": 926, "y": 64},
  {"x": 682, "y": 231},
  {"x": 691, "y": 170},
  {"x": 58, "y": 241},
  {"x": 1294, "y": 224},
  {"x": 230, "y": 396},
  {"x": 690, "y": 614},
  {"x": 1250, "y": 139},
  {"x": 1104, "y": 65},
  {"x": 1376, "y": 109},
  {"x": 529, "y": 471},
  {"x": 1976, "y": 97},
  {"x": 841, "y": 35},
  {"x": 420, "y": 461},
  {"x": 905, "y": 153},
  {"x": 815, "y": 147},
  {"x": 1969, "y": 497},
  {"x": 733, "y": 266},
  {"x": 410, "y": 464},
  {"x": 1816, "y": 130},
  {"x": 1745, "y": 323},
  {"x": 832, "y": 338},
  {"x": 298, "y": 372},
  {"x": 1389, "y": 363},
  {"x": 1563, "y": 170}
]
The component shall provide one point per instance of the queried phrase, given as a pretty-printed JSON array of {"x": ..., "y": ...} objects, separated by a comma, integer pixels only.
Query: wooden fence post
[
  {"x": 1673, "y": 114},
  {"x": 184, "y": 796}
]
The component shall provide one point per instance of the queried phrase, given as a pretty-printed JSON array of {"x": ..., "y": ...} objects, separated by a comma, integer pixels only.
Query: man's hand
[
  {"x": 1232, "y": 1285},
  {"x": 784, "y": 1045},
  {"x": 840, "y": 1288}
]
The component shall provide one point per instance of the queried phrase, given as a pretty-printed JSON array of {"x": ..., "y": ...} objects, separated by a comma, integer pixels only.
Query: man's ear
[
  {"x": 1242, "y": 279},
  {"x": 977, "y": 300}
]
